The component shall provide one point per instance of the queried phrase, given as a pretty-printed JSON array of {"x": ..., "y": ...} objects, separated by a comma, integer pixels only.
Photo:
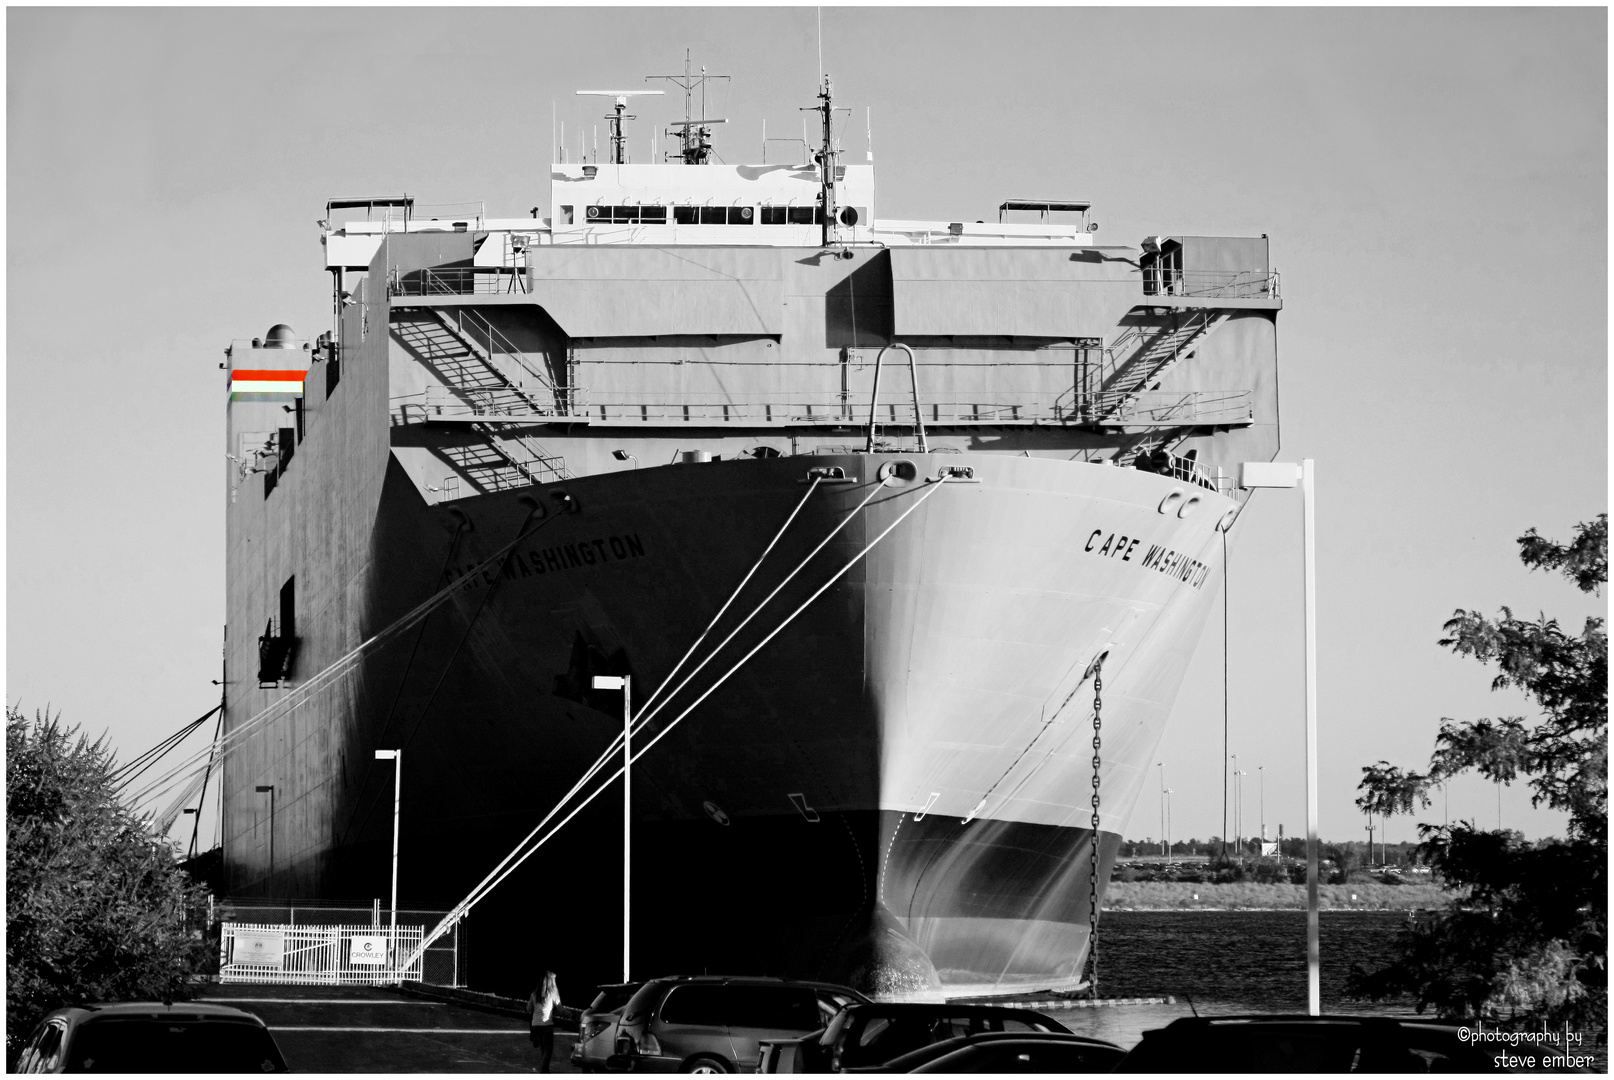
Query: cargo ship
[{"x": 883, "y": 511}]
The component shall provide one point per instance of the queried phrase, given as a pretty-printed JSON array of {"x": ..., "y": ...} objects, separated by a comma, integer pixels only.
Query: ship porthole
[
  {"x": 898, "y": 472},
  {"x": 1170, "y": 502},
  {"x": 1227, "y": 520},
  {"x": 1189, "y": 508},
  {"x": 715, "y": 812}
]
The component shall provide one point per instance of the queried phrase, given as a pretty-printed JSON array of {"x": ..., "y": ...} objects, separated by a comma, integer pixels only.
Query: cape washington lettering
[
  {"x": 1172, "y": 563},
  {"x": 555, "y": 559}
]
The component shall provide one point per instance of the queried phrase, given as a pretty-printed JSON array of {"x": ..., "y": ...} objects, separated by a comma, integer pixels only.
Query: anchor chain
[{"x": 1092, "y": 875}]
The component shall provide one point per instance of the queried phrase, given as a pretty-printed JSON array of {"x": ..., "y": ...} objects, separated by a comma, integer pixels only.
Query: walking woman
[{"x": 542, "y": 1006}]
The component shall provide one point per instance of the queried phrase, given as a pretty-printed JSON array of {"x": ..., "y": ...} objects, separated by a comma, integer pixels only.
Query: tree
[
  {"x": 1528, "y": 942},
  {"x": 97, "y": 909}
]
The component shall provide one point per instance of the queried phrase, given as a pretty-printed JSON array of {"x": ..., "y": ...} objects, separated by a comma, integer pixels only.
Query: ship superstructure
[{"x": 1014, "y": 445}]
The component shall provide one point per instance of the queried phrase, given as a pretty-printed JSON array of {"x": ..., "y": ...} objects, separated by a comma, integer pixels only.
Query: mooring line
[
  {"x": 646, "y": 715},
  {"x": 232, "y": 739},
  {"x": 713, "y": 688},
  {"x": 477, "y": 894},
  {"x": 610, "y": 751},
  {"x": 733, "y": 596}
]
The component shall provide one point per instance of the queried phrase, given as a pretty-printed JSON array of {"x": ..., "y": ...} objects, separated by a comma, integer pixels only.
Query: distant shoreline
[{"x": 1248, "y": 896}]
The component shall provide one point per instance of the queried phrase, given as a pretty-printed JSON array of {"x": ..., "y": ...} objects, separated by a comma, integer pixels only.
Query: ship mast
[
  {"x": 618, "y": 143},
  {"x": 826, "y": 157},
  {"x": 694, "y": 136}
]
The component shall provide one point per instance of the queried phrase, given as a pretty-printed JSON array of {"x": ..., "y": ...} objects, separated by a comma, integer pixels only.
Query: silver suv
[
  {"x": 596, "y": 1035},
  {"x": 714, "y": 1024}
]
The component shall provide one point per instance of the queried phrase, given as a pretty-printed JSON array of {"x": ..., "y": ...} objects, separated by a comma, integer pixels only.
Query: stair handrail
[
  {"x": 497, "y": 343},
  {"x": 1174, "y": 338}
]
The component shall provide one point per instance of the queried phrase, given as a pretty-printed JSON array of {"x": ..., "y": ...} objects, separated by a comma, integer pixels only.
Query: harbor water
[{"x": 1228, "y": 962}]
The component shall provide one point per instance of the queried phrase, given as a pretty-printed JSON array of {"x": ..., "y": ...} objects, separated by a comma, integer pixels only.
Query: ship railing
[
  {"x": 457, "y": 281},
  {"x": 291, "y": 345},
  {"x": 1149, "y": 408},
  {"x": 477, "y": 330},
  {"x": 439, "y": 402},
  {"x": 472, "y": 212},
  {"x": 1190, "y": 471},
  {"x": 1222, "y": 284},
  {"x": 1158, "y": 408}
]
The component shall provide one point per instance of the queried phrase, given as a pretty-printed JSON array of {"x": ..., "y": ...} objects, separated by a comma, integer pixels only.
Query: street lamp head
[
  {"x": 265, "y": 787},
  {"x": 609, "y": 682},
  {"x": 1268, "y": 474},
  {"x": 385, "y": 755}
]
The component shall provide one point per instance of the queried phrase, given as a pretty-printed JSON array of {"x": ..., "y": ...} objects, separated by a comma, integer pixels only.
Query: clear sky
[{"x": 1434, "y": 183}]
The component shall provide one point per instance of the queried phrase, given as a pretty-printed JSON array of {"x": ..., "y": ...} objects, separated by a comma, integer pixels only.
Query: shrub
[{"x": 96, "y": 907}]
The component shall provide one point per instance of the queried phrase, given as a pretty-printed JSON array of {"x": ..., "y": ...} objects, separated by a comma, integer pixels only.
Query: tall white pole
[
  {"x": 1261, "y": 777},
  {"x": 627, "y": 815},
  {"x": 397, "y": 799},
  {"x": 1237, "y": 827},
  {"x": 1165, "y": 830},
  {"x": 1308, "y": 485},
  {"x": 396, "y": 757}
]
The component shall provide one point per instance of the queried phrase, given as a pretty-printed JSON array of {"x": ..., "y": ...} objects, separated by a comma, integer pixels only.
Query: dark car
[
  {"x": 596, "y": 1028},
  {"x": 144, "y": 1037},
  {"x": 870, "y": 1035},
  {"x": 713, "y": 1023},
  {"x": 1008, "y": 1052},
  {"x": 1254, "y": 1044}
]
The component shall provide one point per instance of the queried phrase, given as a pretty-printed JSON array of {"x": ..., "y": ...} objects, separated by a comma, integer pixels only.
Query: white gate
[{"x": 263, "y": 953}]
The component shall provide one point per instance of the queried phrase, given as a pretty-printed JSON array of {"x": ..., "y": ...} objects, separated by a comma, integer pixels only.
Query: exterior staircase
[
  {"x": 478, "y": 363},
  {"x": 1149, "y": 359},
  {"x": 500, "y": 462},
  {"x": 487, "y": 373}
]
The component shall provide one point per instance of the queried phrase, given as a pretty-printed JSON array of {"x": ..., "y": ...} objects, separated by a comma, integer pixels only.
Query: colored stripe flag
[{"x": 257, "y": 381}]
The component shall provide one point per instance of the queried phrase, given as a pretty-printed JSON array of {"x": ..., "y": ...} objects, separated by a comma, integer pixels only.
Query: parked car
[
  {"x": 143, "y": 1037},
  {"x": 1255, "y": 1044},
  {"x": 1007, "y": 1052},
  {"x": 869, "y": 1035},
  {"x": 596, "y": 1028},
  {"x": 714, "y": 1024}
]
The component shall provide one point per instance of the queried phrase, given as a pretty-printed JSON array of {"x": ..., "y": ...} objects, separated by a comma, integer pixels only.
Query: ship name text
[
  {"x": 1164, "y": 560},
  {"x": 535, "y": 561}
]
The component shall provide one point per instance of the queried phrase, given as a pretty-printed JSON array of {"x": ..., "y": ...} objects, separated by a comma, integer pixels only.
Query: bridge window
[
  {"x": 625, "y": 215},
  {"x": 714, "y": 215}
]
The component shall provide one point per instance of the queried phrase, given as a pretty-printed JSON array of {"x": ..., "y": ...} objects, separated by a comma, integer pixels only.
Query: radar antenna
[
  {"x": 618, "y": 143},
  {"x": 694, "y": 136}
]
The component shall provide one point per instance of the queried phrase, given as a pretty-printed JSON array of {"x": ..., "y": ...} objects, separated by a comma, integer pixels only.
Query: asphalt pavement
[{"x": 363, "y": 1029}]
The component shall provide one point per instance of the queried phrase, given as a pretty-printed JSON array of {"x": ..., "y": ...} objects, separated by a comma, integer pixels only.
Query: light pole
[
  {"x": 1279, "y": 474},
  {"x": 396, "y": 757},
  {"x": 623, "y": 683},
  {"x": 1261, "y": 777},
  {"x": 1238, "y": 811},
  {"x": 270, "y": 788},
  {"x": 1165, "y": 831},
  {"x": 1169, "y": 794}
]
